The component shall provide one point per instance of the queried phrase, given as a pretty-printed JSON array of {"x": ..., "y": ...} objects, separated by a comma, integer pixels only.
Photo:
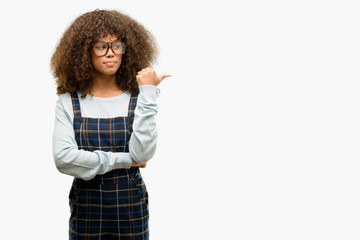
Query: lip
[{"x": 109, "y": 63}]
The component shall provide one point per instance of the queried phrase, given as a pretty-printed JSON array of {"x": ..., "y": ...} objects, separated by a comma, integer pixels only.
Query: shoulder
[
  {"x": 64, "y": 102},
  {"x": 64, "y": 99},
  {"x": 65, "y": 96}
]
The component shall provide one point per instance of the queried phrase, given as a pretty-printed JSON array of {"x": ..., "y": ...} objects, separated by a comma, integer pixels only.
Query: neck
[{"x": 105, "y": 86}]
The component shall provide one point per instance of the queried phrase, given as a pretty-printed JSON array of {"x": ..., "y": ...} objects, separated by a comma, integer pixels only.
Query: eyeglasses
[{"x": 101, "y": 48}]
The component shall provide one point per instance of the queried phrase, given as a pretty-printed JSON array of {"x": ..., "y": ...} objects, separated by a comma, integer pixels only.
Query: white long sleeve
[
  {"x": 85, "y": 164},
  {"x": 142, "y": 145}
]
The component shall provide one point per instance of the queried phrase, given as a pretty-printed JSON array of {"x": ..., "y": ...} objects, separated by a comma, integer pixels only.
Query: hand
[
  {"x": 136, "y": 164},
  {"x": 147, "y": 76}
]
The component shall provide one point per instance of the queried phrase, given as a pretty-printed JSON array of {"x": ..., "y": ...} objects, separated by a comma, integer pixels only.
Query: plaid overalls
[{"x": 113, "y": 205}]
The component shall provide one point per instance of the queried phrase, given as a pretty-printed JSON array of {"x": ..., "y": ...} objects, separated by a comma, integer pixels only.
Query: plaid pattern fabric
[{"x": 113, "y": 205}]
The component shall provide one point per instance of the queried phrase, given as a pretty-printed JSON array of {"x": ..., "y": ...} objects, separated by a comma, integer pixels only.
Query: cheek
[
  {"x": 96, "y": 65},
  {"x": 94, "y": 61},
  {"x": 119, "y": 59}
]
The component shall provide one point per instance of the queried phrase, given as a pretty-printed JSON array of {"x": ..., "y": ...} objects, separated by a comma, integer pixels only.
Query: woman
[{"x": 104, "y": 129}]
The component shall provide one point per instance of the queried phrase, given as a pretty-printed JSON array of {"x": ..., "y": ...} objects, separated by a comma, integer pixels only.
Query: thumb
[{"x": 163, "y": 76}]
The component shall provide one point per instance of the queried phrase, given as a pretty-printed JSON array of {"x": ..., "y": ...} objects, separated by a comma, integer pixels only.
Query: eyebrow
[{"x": 108, "y": 42}]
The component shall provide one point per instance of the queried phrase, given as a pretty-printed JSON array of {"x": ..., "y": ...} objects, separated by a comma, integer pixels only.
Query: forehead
[{"x": 108, "y": 38}]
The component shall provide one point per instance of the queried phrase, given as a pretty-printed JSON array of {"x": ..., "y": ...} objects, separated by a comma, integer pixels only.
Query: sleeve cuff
[
  {"x": 150, "y": 91},
  {"x": 122, "y": 160}
]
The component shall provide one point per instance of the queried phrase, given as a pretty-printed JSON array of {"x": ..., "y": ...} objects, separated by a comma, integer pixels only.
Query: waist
[{"x": 115, "y": 176}]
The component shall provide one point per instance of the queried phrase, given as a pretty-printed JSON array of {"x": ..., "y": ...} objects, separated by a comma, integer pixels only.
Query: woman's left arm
[{"x": 142, "y": 144}]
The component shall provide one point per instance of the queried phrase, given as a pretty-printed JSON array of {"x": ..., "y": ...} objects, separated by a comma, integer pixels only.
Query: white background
[{"x": 258, "y": 127}]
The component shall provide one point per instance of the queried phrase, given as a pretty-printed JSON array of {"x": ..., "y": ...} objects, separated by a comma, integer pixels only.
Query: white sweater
[{"x": 85, "y": 164}]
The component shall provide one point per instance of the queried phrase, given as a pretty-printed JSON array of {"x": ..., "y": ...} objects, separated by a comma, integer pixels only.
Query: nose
[{"x": 110, "y": 52}]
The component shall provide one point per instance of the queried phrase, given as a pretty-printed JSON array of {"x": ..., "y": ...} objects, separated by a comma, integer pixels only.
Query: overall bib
[{"x": 113, "y": 205}]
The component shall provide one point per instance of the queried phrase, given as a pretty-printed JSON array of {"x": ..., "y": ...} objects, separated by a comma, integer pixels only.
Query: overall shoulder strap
[
  {"x": 131, "y": 110},
  {"x": 75, "y": 104}
]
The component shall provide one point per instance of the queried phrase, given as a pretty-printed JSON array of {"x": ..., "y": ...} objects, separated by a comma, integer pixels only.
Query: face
[{"x": 110, "y": 62}]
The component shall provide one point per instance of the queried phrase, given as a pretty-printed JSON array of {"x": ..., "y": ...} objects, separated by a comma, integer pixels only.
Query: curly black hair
[{"x": 71, "y": 62}]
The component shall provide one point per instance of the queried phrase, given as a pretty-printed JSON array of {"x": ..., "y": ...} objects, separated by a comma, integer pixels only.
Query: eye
[
  {"x": 117, "y": 45},
  {"x": 100, "y": 46}
]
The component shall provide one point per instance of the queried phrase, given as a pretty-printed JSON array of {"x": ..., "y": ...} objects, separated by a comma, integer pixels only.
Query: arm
[
  {"x": 142, "y": 144},
  {"x": 143, "y": 140},
  {"x": 79, "y": 163}
]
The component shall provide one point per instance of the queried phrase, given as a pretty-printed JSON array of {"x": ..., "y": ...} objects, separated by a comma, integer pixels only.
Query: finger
[
  {"x": 163, "y": 76},
  {"x": 143, "y": 70},
  {"x": 139, "y": 74}
]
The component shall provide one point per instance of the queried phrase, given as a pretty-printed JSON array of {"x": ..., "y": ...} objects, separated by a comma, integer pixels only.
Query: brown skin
[
  {"x": 105, "y": 67},
  {"x": 147, "y": 76},
  {"x": 76, "y": 68}
]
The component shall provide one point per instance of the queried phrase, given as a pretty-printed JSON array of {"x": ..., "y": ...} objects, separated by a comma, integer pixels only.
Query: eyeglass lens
[{"x": 101, "y": 48}]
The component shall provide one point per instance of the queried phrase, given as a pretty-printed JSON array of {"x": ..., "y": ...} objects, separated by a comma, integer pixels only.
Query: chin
[{"x": 109, "y": 71}]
